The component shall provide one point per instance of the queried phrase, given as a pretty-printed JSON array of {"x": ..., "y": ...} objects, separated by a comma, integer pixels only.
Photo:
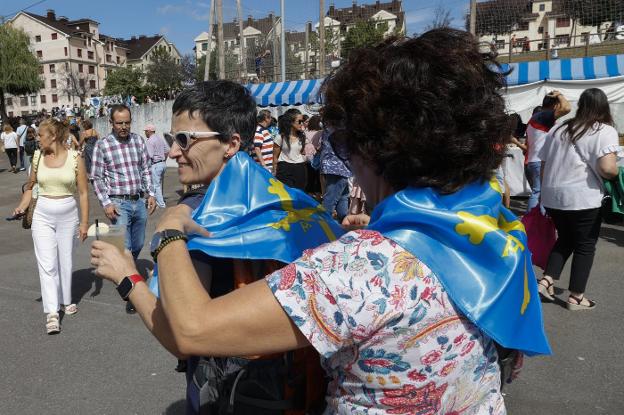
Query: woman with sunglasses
[
  {"x": 403, "y": 313},
  {"x": 289, "y": 161}
]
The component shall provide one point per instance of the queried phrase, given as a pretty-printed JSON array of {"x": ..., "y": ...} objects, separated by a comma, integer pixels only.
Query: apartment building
[
  {"x": 75, "y": 59},
  {"x": 140, "y": 49},
  {"x": 544, "y": 22}
]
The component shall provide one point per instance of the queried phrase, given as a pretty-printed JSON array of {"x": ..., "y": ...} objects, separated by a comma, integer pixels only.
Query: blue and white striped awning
[
  {"x": 576, "y": 69},
  {"x": 303, "y": 91}
]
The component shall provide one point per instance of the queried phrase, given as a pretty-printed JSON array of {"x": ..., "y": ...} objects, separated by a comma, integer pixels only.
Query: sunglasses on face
[
  {"x": 299, "y": 122},
  {"x": 186, "y": 138}
]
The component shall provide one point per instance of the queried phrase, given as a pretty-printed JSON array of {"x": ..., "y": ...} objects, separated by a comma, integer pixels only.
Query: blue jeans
[
  {"x": 336, "y": 195},
  {"x": 158, "y": 173},
  {"x": 534, "y": 169},
  {"x": 133, "y": 214}
]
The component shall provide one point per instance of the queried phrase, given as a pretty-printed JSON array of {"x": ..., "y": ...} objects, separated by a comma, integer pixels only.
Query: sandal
[
  {"x": 52, "y": 323},
  {"x": 578, "y": 305},
  {"x": 70, "y": 309},
  {"x": 546, "y": 289}
]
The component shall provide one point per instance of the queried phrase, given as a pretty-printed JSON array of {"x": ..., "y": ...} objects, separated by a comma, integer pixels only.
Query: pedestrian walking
[
  {"x": 122, "y": 180},
  {"x": 262, "y": 148},
  {"x": 289, "y": 162},
  {"x": 10, "y": 141},
  {"x": 576, "y": 157},
  {"x": 158, "y": 150},
  {"x": 21, "y": 133},
  {"x": 88, "y": 138},
  {"x": 58, "y": 173}
]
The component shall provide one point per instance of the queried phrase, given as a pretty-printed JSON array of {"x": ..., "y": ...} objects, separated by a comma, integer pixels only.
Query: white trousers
[{"x": 54, "y": 230}]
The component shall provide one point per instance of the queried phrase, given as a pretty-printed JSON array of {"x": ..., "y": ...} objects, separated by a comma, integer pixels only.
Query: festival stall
[{"x": 528, "y": 83}]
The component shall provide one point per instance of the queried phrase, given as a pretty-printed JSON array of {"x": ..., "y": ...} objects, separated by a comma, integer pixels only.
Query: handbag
[
  {"x": 30, "y": 210},
  {"x": 541, "y": 236}
]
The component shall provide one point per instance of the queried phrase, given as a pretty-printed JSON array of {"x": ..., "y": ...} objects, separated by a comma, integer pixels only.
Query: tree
[
  {"x": 125, "y": 81},
  {"x": 77, "y": 84},
  {"x": 441, "y": 18},
  {"x": 163, "y": 74},
  {"x": 19, "y": 68},
  {"x": 331, "y": 41},
  {"x": 231, "y": 66},
  {"x": 189, "y": 69},
  {"x": 364, "y": 34}
]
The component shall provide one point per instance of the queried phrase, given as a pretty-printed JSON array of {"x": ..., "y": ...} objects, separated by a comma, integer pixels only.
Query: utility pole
[
  {"x": 243, "y": 49},
  {"x": 283, "y": 39},
  {"x": 274, "y": 41},
  {"x": 220, "y": 45},
  {"x": 473, "y": 17},
  {"x": 209, "y": 49},
  {"x": 321, "y": 58},
  {"x": 306, "y": 61}
]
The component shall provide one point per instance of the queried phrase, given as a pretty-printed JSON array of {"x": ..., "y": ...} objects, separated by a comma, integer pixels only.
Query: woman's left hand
[
  {"x": 82, "y": 231},
  {"x": 110, "y": 263}
]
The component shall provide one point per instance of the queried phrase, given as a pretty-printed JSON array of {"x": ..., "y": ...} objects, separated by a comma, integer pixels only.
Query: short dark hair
[
  {"x": 424, "y": 111},
  {"x": 314, "y": 124},
  {"x": 263, "y": 115},
  {"x": 87, "y": 125},
  {"x": 118, "y": 108},
  {"x": 225, "y": 107}
]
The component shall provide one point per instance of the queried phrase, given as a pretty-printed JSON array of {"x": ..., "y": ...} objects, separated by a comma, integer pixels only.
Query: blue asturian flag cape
[
  {"x": 252, "y": 215},
  {"x": 478, "y": 250}
]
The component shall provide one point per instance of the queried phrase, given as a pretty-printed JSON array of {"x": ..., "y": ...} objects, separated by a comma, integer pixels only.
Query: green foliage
[
  {"x": 19, "y": 68},
  {"x": 364, "y": 34},
  {"x": 125, "y": 81},
  {"x": 231, "y": 66},
  {"x": 163, "y": 74},
  {"x": 331, "y": 41}
]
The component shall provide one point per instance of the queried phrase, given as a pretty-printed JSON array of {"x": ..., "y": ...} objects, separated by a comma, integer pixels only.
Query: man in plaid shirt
[{"x": 121, "y": 178}]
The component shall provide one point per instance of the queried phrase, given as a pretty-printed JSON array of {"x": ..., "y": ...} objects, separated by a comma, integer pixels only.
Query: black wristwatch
[
  {"x": 127, "y": 285},
  {"x": 163, "y": 238}
]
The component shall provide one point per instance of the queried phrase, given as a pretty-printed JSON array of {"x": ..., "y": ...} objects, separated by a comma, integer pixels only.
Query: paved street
[{"x": 105, "y": 362}]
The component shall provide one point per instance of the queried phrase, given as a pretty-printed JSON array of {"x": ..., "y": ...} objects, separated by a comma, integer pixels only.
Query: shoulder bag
[{"x": 28, "y": 214}]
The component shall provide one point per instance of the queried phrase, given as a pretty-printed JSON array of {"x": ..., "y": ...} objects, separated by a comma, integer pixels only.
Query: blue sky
[{"x": 182, "y": 20}]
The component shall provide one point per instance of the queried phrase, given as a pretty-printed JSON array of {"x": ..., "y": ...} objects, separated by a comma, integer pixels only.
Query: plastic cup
[{"x": 116, "y": 236}]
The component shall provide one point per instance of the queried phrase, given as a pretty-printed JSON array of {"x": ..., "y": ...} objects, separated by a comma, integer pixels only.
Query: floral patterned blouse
[{"x": 389, "y": 336}]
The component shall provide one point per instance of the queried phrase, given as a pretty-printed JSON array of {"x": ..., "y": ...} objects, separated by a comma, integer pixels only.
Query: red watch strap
[{"x": 135, "y": 278}]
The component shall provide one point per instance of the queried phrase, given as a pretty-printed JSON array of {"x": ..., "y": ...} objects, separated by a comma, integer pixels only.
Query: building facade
[
  {"x": 541, "y": 24},
  {"x": 75, "y": 60}
]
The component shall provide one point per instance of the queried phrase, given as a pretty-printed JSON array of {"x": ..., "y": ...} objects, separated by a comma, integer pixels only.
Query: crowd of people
[{"x": 410, "y": 307}]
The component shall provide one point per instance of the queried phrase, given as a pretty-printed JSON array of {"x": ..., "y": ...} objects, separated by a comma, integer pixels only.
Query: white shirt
[
  {"x": 9, "y": 139},
  {"x": 21, "y": 134},
  {"x": 569, "y": 183},
  {"x": 69, "y": 112},
  {"x": 292, "y": 155}
]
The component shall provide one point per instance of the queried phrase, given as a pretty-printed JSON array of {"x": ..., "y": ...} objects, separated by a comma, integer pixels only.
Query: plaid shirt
[{"x": 120, "y": 168}]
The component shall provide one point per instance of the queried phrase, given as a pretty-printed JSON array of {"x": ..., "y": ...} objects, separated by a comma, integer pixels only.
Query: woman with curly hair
[
  {"x": 289, "y": 162},
  {"x": 405, "y": 313}
]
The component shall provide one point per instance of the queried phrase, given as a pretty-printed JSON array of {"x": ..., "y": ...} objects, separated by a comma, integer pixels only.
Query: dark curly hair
[{"x": 425, "y": 111}]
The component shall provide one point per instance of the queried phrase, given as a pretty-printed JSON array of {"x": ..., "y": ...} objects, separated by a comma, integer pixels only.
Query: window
[
  {"x": 65, "y": 50},
  {"x": 563, "y": 22},
  {"x": 562, "y": 40},
  {"x": 10, "y": 113},
  {"x": 500, "y": 44},
  {"x": 54, "y": 98},
  {"x": 540, "y": 30},
  {"x": 53, "y": 83},
  {"x": 54, "y": 36},
  {"x": 109, "y": 58},
  {"x": 23, "y": 101},
  {"x": 80, "y": 67},
  {"x": 38, "y": 38},
  {"x": 523, "y": 26},
  {"x": 542, "y": 7},
  {"x": 41, "y": 69},
  {"x": 33, "y": 100},
  {"x": 81, "y": 82},
  {"x": 42, "y": 98},
  {"x": 90, "y": 54},
  {"x": 52, "y": 68},
  {"x": 79, "y": 53},
  {"x": 118, "y": 60},
  {"x": 39, "y": 54},
  {"x": 66, "y": 66},
  {"x": 204, "y": 46},
  {"x": 92, "y": 84},
  {"x": 24, "y": 113},
  {"x": 91, "y": 69},
  {"x": 9, "y": 102}
]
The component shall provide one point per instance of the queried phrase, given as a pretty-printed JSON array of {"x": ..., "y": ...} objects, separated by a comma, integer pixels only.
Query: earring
[{"x": 226, "y": 156}]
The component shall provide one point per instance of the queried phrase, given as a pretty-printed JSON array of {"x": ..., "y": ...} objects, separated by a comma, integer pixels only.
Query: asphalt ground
[{"x": 105, "y": 361}]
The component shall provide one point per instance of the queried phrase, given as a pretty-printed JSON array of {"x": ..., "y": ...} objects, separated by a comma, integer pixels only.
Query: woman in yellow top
[{"x": 55, "y": 220}]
